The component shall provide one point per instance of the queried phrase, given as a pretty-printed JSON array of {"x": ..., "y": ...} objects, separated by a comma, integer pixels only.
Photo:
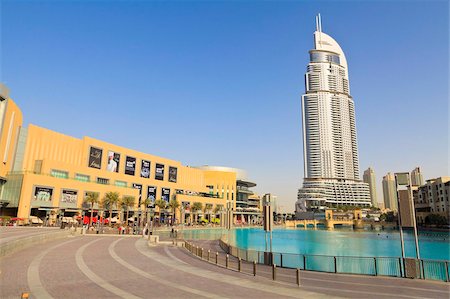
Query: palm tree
[
  {"x": 128, "y": 202},
  {"x": 111, "y": 200},
  {"x": 161, "y": 204},
  {"x": 197, "y": 206},
  {"x": 174, "y": 204},
  {"x": 217, "y": 209},
  {"x": 146, "y": 203},
  {"x": 207, "y": 210},
  {"x": 91, "y": 198}
]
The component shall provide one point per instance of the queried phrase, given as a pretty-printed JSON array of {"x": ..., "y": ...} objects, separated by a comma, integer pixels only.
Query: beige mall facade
[{"x": 47, "y": 174}]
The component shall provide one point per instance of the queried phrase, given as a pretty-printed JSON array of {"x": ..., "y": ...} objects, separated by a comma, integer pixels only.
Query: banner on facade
[
  {"x": 69, "y": 196},
  {"x": 165, "y": 194},
  {"x": 95, "y": 157},
  {"x": 113, "y": 162},
  {"x": 145, "y": 169},
  {"x": 138, "y": 186},
  {"x": 159, "y": 172},
  {"x": 43, "y": 193},
  {"x": 173, "y": 174},
  {"x": 130, "y": 165}
]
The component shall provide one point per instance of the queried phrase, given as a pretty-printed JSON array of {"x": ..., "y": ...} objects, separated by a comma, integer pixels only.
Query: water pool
[{"x": 337, "y": 242}]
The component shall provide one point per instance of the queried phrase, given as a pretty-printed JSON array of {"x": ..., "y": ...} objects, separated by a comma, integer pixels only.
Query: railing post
[
  {"x": 274, "y": 272},
  {"x": 335, "y": 264},
  {"x": 217, "y": 257},
  {"x": 281, "y": 260},
  {"x": 375, "y": 265},
  {"x": 239, "y": 265},
  {"x": 423, "y": 269},
  {"x": 446, "y": 272},
  {"x": 298, "y": 276},
  {"x": 254, "y": 268},
  {"x": 400, "y": 265},
  {"x": 226, "y": 261},
  {"x": 209, "y": 251},
  {"x": 304, "y": 262}
]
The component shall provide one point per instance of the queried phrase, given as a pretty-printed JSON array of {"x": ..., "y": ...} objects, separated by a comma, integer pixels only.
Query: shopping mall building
[{"x": 47, "y": 174}]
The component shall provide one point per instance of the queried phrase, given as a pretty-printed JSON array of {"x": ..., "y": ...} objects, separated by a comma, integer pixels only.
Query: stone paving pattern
[{"x": 113, "y": 266}]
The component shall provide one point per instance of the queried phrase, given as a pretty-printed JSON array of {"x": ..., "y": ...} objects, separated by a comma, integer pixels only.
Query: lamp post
[{"x": 404, "y": 179}]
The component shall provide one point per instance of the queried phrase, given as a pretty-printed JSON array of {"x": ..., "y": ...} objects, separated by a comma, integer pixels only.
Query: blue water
[{"x": 338, "y": 242}]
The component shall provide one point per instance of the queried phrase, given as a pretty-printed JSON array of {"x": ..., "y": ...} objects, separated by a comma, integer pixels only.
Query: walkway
[{"x": 111, "y": 266}]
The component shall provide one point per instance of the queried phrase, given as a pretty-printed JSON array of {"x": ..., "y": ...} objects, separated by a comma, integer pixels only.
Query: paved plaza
[{"x": 110, "y": 266}]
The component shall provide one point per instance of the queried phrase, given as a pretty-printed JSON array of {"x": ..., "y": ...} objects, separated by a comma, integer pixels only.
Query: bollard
[
  {"x": 201, "y": 253},
  {"x": 274, "y": 272},
  {"x": 254, "y": 268},
  {"x": 226, "y": 261},
  {"x": 239, "y": 265},
  {"x": 298, "y": 276},
  {"x": 217, "y": 257},
  {"x": 209, "y": 251}
]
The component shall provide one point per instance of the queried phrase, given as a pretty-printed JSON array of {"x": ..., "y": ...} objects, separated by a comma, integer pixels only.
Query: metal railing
[{"x": 376, "y": 266}]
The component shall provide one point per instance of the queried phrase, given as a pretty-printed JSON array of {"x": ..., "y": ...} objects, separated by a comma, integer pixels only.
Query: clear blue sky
[{"x": 219, "y": 83}]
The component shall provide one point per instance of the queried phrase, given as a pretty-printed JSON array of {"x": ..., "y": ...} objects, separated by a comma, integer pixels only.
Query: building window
[
  {"x": 82, "y": 177},
  {"x": 59, "y": 174},
  {"x": 103, "y": 181},
  {"x": 120, "y": 184}
]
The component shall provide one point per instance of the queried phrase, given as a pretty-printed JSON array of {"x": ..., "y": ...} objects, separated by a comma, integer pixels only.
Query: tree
[
  {"x": 110, "y": 201},
  {"x": 197, "y": 206},
  {"x": 128, "y": 202},
  {"x": 146, "y": 203},
  {"x": 161, "y": 204},
  {"x": 174, "y": 204},
  {"x": 91, "y": 198},
  {"x": 207, "y": 210},
  {"x": 216, "y": 210}
]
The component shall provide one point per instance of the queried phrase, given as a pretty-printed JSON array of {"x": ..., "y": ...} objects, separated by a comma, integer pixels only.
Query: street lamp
[{"x": 404, "y": 179}]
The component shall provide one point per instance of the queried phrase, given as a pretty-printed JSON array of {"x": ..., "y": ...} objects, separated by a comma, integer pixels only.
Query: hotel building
[
  {"x": 330, "y": 150},
  {"x": 47, "y": 174}
]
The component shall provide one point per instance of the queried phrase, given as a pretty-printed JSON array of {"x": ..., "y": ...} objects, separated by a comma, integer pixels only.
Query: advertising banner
[
  {"x": 145, "y": 169},
  {"x": 151, "y": 193},
  {"x": 165, "y": 194},
  {"x": 69, "y": 196},
  {"x": 43, "y": 193},
  {"x": 130, "y": 165},
  {"x": 138, "y": 186},
  {"x": 113, "y": 162},
  {"x": 95, "y": 157},
  {"x": 159, "y": 172},
  {"x": 173, "y": 174}
]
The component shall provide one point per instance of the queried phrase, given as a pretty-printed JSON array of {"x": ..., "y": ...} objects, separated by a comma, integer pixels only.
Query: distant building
[
  {"x": 416, "y": 177},
  {"x": 433, "y": 198},
  {"x": 369, "y": 178},
  {"x": 390, "y": 192}
]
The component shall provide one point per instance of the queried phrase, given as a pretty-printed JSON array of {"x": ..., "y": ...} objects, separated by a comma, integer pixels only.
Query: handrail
[{"x": 376, "y": 266}]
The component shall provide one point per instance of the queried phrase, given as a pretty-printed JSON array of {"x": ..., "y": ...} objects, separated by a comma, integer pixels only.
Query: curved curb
[{"x": 23, "y": 243}]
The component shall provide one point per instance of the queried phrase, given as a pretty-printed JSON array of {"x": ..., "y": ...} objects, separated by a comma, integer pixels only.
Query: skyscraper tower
[
  {"x": 416, "y": 177},
  {"x": 330, "y": 150},
  {"x": 369, "y": 178},
  {"x": 390, "y": 192}
]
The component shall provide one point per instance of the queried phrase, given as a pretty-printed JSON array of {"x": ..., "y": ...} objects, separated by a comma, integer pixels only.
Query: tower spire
[{"x": 318, "y": 23}]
